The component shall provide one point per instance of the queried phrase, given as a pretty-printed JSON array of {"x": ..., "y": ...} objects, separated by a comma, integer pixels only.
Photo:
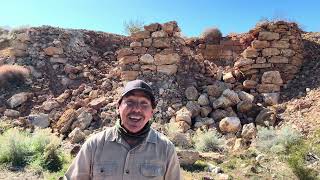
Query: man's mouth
[{"x": 135, "y": 118}]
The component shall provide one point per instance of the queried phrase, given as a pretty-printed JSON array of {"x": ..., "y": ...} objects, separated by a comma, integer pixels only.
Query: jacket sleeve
[
  {"x": 173, "y": 165},
  {"x": 81, "y": 167}
]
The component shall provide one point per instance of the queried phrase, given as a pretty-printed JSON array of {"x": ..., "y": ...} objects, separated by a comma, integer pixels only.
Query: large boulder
[
  {"x": 17, "y": 99},
  {"x": 39, "y": 120},
  {"x": 271, "y": 77},
  {"x": 188, "y": 157},
  {"x": 230, "y": 125},
  {"x": 184, "y": 114}
]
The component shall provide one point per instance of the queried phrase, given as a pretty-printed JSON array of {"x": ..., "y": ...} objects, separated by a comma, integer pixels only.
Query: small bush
[
  {"x": 206, "y": 141},
  {"x": 14, "y": 149},
  {"x": 277, "y": 141},
  {"x": 133, "y": 26},
  {"x": 212, "y": 35}
]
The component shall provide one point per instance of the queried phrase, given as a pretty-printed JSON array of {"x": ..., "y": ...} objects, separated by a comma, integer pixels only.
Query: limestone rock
[
  {"x": 268, "y": 52},
  {"x": 128, "y": 59},
  {"x": 83, "y": 120},
  {"x": 250, "y": 53},
  {"x": 146, "y": 59},
  {"x": 159, "y": 34},
  {"x": 65, "y": 121},
  {"x": 11, "y": 113},
  {"x": 135, "y": 44},
  {"x": 249, "y": 131},
  {"x": 161, "y": 43},
  {"x": 244, "y": 96},
  {"x": 244, "y": 106},
  {"x": 184, "y": 114},
  {"x": 280, "y": 44},
  {"x": 228, "y": 78},
  {"x": 271, "y": 98},
  {"x": 162, "y": 59},
  {"x": 49, "y": 105},
  {"x": 260, "y": 44},
  {"x": 191, "y": 93},
  {"x": 188, "y": 157},
  {"x": 184, "y": 126},
  {"x": 249, "y": 84},
  {"x": 140, "y": 35},
  {"x": 124, "y": 52},
  {"x": 268, "y": 88},
  {"x": 167, "y": 69},
  {"x": 243, "y": 62},
  {"x": 76, "y": 136},
  {"x": 98, "y": 102},
  {"x": 17, "y": 99},
  {"x": 271, "y": 77},
  {"x": 39, "y": 120},
  {"x": 231, "y": 95},
  {"x": 50, "y": 51},
  {"x": 203, "y": 100},
  {"x": 129, "y": 75},
  {"x": 265, "y": 35},
  {"x": 230, "y": 124}
]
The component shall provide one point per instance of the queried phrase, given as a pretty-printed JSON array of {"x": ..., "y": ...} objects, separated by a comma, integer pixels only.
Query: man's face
[{"x": 135, "y": 111}]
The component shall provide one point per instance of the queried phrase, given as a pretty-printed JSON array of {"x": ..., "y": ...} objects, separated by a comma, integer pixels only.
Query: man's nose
[{"x": 136, "y": 107}]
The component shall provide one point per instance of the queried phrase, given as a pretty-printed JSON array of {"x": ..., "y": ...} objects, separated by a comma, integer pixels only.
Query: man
[{"x": 131, "y": 149}]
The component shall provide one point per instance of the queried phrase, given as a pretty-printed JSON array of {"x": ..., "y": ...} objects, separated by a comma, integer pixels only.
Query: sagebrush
[{"x": 207, "y": 141}]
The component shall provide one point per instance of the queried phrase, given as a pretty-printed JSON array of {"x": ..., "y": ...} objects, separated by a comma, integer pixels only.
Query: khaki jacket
[{"x": 107, "y": 155}]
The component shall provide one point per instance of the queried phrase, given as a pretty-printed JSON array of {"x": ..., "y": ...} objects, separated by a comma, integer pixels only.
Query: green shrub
[
  {"x": 133, "y": 26},
  {"x": 14, "y": 149},
  {"x": 212, "y": 35},
  {"x": 277, "y": 141},
  {"x": 206, "y": 141}
]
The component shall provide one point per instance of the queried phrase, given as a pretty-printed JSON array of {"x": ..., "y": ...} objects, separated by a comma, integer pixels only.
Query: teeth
[{"x": 135, "y": 117}]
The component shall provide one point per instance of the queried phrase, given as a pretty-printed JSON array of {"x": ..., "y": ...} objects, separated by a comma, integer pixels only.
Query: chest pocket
[
  {"x": 152, "y": 170},
  {"x": 104, "y": 169}
]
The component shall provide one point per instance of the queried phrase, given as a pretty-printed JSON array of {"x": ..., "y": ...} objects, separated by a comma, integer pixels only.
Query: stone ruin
[{"x": 77, "y": 76}]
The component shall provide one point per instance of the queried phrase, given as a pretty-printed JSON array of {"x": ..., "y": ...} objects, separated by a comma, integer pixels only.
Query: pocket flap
[
  {"x": 151, "y": 170},
  {"x": 105, "y": 169}
]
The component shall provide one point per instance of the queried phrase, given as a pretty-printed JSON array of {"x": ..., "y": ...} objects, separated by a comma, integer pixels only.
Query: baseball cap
[{"x": 138, "y": 85}]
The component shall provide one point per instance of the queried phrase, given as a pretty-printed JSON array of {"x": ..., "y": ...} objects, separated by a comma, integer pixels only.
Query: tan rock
[
  {"x": 184, "y": 114},
  {"x": 228, "y": 78},
  {"x": 76, "y": 136},
  {"x": 243, "y": 62},
  {"x": 129, "y": 75},
  {"x": 249, "y": 131},
  {"x": 203, "y": 100},
  {"x": 169, "y": 26},
  {"x": 167, "y": 69},
  {"x": 162, "y": 59},
  {"x": 244, "y": 96},
  {"x": 146, "y": 59},
  {"x": 260, "y": 66},
  {"x": 260, "y": 44},
  {"x": 230, "y": 124},
  {"x": 139, "y": 50},
  {"x": 250, "y": 53},
  {"x": 49, "y": 105},
  {"x": 287, "y": 52},
  {"x": 261, "y": 60},
  {"x": 194, "y": 108},
  {"x": 98, "y": 102},
  {"x": 271, "y": 98},
  {"x": 280, "y": 44},
  {"x": 58, "y": 60},
  {"x": 244, "y": 106},
  {"x": 11, "y": 113},
  {"x": 23, "y": 37},
  {"x": 152, "y": 27},
  {"x": 216, "y": 89},
  {"x": 222, "y": 102},
  {"x": 159, "y": 34},
  {"x": 268, "y": 88},
  {"x": 65, "y": 121},
  {"x": 296, "y": 61},
  {"x": 271, "y": 77},
  {"x": 161, "y": 43},
  {"x": 50, "y": 51},
  {"x": 128, "y": 59},
  {"x": 188, "y": 157},
  {"x": 205, "y": 111},
  {"x": 266, "y": 117},
  {"x": 267, "y": 52},
  {"x": 140, "y": 35},
  {"x": 249, "y": 84},
  {"x": 135, "y": 44},
  {"x": 124, "y": 52},
  {"x": 278, "y": 59},
  {"x": 149, "y": 67},
  {"x": 17, "y": 99},
  {"x": 184, "y": 126},
  {"x": 265, "y": 35},
  {"x": 147, "y": 42},
  {"x": 231, "y": 95}
]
